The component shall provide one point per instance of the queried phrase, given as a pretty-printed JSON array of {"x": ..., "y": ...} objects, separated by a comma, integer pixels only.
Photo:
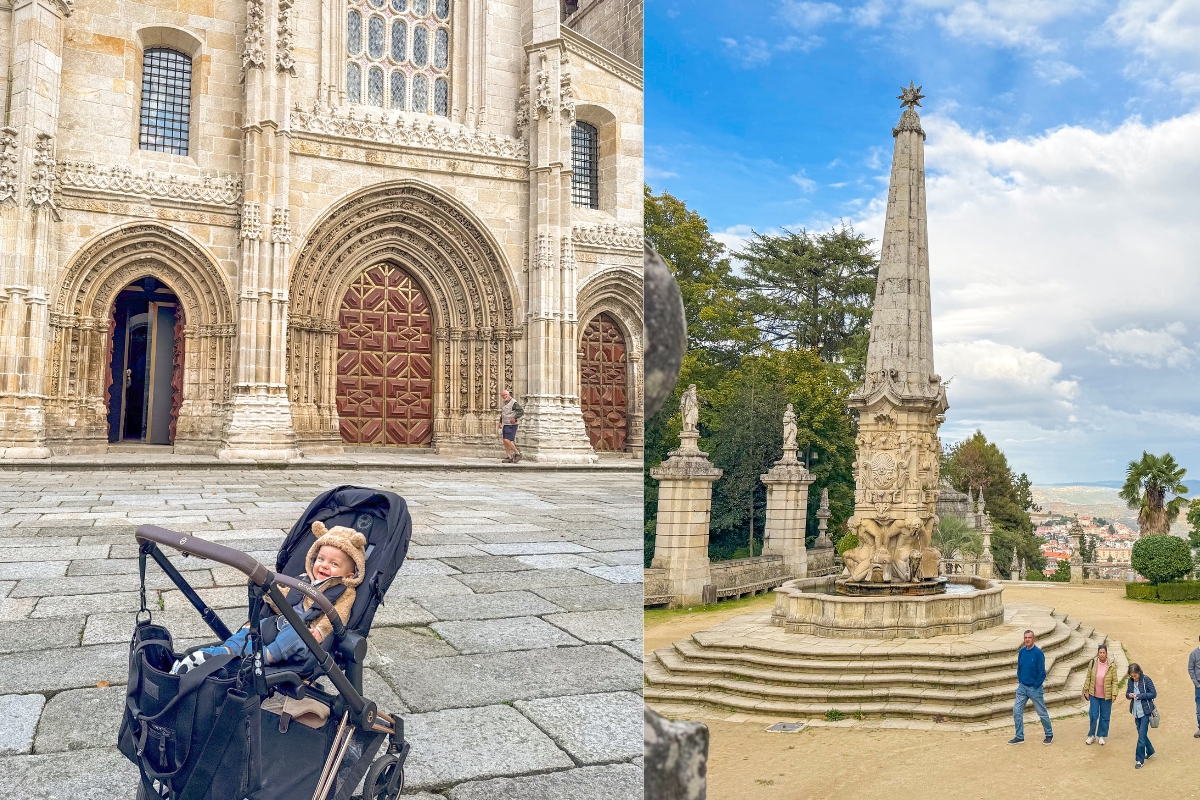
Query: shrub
[
  {"x": 1161, "y": 558},
  {"x": 1062, "y": 573},
  {"x": 1035, "y": 575},
  {"x": 847, "y": 542},
  {"x": 1164, "y": 592}
]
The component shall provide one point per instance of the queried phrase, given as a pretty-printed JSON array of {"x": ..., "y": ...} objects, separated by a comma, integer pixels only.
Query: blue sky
[{"x": 1064, "y": 190}]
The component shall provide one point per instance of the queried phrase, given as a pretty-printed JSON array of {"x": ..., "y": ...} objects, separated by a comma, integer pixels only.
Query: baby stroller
[{"x": 235, "y": 728}]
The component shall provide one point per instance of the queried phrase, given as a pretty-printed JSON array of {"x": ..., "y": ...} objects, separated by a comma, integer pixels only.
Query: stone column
[
  {"x": 260, "y": 426},
  {"x": 822, "y": 554},
  {"x": 685, "y": 482},
  {"x": 787, "y": 513}
]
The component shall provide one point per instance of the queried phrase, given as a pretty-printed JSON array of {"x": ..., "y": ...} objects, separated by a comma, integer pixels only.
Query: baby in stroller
[{"x": 334, "y": 566}]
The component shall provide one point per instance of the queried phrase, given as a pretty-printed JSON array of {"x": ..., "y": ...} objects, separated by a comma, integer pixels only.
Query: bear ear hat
[
  {"x": 358, "y": 541},
  {"x": 319, "y": 529}
]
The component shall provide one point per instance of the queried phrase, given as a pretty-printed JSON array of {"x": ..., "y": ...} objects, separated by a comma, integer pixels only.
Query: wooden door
[
  {"x": 602, "y": 372},
  {"x": 385, "y": 360}
]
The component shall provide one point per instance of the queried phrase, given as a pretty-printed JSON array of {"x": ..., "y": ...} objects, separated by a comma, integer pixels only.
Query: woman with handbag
[{"x": 1141, "y": 693}]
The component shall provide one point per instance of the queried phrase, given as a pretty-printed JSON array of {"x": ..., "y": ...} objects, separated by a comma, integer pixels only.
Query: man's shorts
[{"x": 510, "y": 432}]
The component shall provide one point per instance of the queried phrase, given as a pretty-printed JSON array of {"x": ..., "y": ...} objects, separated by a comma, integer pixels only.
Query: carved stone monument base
[
  {"x": 895, "y": 589},
  {"x": 685, "y": 482}
]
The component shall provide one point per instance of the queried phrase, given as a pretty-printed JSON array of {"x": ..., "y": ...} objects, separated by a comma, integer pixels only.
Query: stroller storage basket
[{"x": 204, "y": 735}]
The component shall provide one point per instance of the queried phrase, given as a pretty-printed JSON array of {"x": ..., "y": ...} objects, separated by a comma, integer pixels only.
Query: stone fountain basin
[{"x": 803, "y": 606}]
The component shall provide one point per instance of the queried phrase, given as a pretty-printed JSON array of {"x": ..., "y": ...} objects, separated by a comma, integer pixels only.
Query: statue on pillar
[
  {"x": 689, "y": 407},
  {"x": 789, "y": 428}
]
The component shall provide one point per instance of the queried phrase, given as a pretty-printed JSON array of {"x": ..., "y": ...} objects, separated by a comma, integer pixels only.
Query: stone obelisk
[{"x": 902, "y": 401}]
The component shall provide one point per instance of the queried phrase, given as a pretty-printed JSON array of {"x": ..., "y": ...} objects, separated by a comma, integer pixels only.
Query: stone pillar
[
  {"x": 552, "y": 428},
  {"x": 685, "y": 482},
  {"x": 260, "y": 426},
  {"x": 787, "y": 513},
  {"x": 821, "y": 557},
  {"x": 28, "y": 217},
  {"x": 1014, "y": 569}
]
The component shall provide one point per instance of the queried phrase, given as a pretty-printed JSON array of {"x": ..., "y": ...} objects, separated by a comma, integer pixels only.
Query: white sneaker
[
  {"x": 1090, "y": 739},
  {"x": 1101, "y": 741}
]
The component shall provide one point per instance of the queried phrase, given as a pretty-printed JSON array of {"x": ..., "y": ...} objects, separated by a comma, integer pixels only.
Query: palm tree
[
  {"x": 1147, "y": 484},
  {"x": 953, "y": 534}
]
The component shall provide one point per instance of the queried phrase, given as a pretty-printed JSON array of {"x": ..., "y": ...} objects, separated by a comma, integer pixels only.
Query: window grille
[
  {"x": 420, "y": 93},
  {"x": 585, "y": 166},
  {"x": 166, "y": 101},
  {"x": 401, "y": 48},
  {"x": 397, "y": 94},
  {"x": 375, "y": 87},
  {"x": 441, "y": 98}
]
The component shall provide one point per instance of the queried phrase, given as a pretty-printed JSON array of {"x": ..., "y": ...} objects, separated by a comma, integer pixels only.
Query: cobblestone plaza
[{"x": 510, "y": 641}]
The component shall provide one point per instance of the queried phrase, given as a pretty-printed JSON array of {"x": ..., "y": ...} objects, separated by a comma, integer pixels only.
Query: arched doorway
[
  {"x": 603, "y": 380},
  {"x": 145, "y": 364},
  {"x": 385, "y": 360}
]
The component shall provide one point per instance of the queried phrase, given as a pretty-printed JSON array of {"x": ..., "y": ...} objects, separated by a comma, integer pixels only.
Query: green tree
[
  {"x": 1193, "y": 519},
  {"x": 1148, "y": 483},
  {"x": 952, "y": 533},
  {"x": 1062, "y": 572},
  {"x": 1161, "y": 558},
  {"x": 979, "y": 465},
  {"x": 741, "y": 423},
  {"x": 813, "y": 291}
]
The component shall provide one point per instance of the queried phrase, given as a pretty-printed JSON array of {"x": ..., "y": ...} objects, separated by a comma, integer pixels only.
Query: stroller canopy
[{"x": 380, "y": 516}]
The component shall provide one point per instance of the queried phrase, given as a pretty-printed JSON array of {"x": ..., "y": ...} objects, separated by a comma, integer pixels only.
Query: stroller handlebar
[{"x": 194, "y": 545}]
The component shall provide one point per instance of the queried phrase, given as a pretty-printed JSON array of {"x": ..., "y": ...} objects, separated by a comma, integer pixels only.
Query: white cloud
[
  {"x": 805, "y": 183},
  {"x": 1056, "y": 72},
  {"x": 734, "y": 237},
  {"x": 808, "y": 15},
  {"x": 750, "y": 50},
  {"x": 1152, "y": 349},
  {"x": 1167, "y": 34},
  {"x": 655, "y": 174},
  {"x": 984, "y": 367}
]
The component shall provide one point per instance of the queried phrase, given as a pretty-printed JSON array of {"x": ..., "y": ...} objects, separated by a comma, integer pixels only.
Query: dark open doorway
[{"x": 146, "y": 364}]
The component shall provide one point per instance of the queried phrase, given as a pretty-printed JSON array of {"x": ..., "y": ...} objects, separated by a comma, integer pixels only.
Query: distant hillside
[{"x": 1097, "y": 499}]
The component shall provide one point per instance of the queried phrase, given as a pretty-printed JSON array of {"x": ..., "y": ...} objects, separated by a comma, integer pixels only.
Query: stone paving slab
[
  {"x": 616, "y": 782},
  {"x": 596, "y": 627},
  {"x": 557, "y": 561},
  {"x": 80, "y": 719},
  {"x": 102, "y": 774},
  {"x": 487, "y": 606},
  {"x": 592, "y": 728},
  {"x": 529, "y": 580},
  {"x": 487, "y": 678},
  {"x": 632, "y": 647},
  {"x": 471, "y": 743},
  {"x": 63, "y": 668},
  {"x": 77, "y": 537},
  {"x": 603, "y": 597},
  {"x": 497, "y": 635},
  {"x": 20, "y": 713},
  {"x": 40, "y": 634},
  {"x": 631, "y": 573},
  {"x": 618, "y": 558}
]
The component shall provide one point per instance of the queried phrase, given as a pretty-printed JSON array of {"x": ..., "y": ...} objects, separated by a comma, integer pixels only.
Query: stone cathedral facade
[{"x": 263, "y": 228}]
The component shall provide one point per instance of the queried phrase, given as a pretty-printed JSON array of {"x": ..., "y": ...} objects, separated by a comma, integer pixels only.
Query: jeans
[
  {"x": 1098, "y": 713},
  {"x": 1198, "y": 708},
  {"x": 1144, "y": 748},
  {"x": 1033, "y": 693},
  {"x": 286, "y": 644}
]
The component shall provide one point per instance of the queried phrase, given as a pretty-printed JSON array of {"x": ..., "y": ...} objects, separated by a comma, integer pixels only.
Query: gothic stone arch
[
  {"x": 80, "y": 322},
  {"x": 618, "y": 293},
  {"x": 462, "y": 273}
]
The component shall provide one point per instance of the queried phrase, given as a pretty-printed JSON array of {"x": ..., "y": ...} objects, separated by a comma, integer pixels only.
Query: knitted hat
[{"x": 348, "y": 540}]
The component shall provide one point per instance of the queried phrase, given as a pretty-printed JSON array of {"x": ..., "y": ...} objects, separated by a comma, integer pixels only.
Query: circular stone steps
[{"x": 748, "y": 665}]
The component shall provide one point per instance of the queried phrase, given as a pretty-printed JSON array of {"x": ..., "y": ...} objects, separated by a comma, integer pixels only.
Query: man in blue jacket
[{"x": 1031, "y": 674}]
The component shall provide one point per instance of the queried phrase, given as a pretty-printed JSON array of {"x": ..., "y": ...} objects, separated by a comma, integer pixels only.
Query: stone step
[
  {"x": 831, "y": 669},
  {"x": 939, "y": 711},
  {"x": 686, "y": 662},
  {"x": 661, "y": 673}
]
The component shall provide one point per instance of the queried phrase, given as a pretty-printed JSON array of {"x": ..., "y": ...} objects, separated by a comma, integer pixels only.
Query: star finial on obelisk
[{"x": 910, "y": 96}]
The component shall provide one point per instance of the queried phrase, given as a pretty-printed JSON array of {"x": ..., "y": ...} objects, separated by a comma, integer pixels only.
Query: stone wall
[
  {"x": 615, "y": 25},
  {"x": 742, "y": 576},
  {"x": 276, "y": 155}
]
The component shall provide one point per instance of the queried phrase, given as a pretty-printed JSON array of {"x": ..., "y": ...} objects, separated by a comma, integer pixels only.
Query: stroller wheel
[{"x": 380, "y": 775}]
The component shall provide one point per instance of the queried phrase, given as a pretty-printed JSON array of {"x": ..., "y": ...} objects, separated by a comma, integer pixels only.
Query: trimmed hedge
[
  {"x": 1164, "y": 592},
  {"x": 1161, "y": 558}
]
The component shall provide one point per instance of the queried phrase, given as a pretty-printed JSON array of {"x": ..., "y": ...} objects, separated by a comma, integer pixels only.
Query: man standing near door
[{"x": 510, "y": 412}]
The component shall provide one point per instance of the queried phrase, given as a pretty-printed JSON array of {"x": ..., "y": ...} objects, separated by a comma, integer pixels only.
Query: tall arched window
[
  {"x": 166, "y": 101},
  {"x": 408, "y": 41},
  {"x": 585, "y": 166}
]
